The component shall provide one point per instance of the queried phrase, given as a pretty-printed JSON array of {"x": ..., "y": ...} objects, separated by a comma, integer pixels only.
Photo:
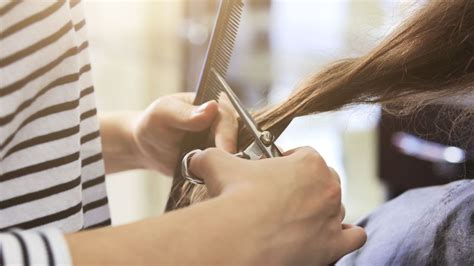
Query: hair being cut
[{"x": 427, "y": 59}]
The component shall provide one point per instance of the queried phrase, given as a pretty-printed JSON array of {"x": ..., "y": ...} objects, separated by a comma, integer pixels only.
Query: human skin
[
  {"x": 150, "y": 139},
  {"x": 279, "y": 211}
]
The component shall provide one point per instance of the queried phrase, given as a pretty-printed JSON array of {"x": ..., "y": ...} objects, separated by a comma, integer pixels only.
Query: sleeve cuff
[{"x": 31, "y": 247}]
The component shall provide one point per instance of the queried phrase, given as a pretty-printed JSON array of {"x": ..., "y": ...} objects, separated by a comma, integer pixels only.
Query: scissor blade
[
  {"x": 247, "y": 118},
  {"x": 254, "y": 152},
  {"x": 279, "y": 128},
  {"x": 257, "y": 148}
]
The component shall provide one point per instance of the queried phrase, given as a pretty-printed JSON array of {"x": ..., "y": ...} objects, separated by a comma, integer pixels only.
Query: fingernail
[{"x": 201, "y": 108}]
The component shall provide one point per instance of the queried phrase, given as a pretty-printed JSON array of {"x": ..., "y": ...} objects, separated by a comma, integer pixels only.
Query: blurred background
[{"x": 142, "y": 50}]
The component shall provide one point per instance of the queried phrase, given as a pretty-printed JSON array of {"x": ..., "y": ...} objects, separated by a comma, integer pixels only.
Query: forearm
[
  {"x": 118, "y": 145},
  {"x": 204, "y": 234}
]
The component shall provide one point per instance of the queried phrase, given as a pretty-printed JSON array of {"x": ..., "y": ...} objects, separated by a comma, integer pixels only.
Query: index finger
[
  {"x": 187, "y": 97},
  {"x": 226, "y": 126}
]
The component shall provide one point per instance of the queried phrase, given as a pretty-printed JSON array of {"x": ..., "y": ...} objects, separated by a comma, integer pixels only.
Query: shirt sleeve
[{"x": 34, "y": 247}]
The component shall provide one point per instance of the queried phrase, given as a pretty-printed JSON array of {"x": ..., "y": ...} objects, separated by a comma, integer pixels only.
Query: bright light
[{"x": 454, "y": 155}]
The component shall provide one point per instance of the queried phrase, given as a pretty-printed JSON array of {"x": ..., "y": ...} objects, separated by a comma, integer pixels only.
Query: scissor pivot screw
[{"x": 266, "y": 138}]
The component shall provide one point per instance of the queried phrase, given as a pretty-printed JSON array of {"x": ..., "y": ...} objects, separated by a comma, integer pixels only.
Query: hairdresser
[
  {"x": 53, "y": 148},
  {"x": 282, "y": 211}
]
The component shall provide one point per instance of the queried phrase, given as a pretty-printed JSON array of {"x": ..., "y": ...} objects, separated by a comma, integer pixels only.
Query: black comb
[{"x": 218, "y": 57}]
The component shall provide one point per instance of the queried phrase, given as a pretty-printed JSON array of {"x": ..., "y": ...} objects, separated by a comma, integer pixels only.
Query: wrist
[{"x": 119, "y": 144}]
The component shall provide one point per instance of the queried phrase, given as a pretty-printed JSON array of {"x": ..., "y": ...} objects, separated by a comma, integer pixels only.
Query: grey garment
[{"x": 426, "y": 226}]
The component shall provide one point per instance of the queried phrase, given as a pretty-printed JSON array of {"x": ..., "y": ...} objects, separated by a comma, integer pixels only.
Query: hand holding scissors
[{"x": 263, "y": 145}]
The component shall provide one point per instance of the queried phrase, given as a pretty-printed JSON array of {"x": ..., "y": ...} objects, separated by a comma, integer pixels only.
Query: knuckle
[
  {"x": 157, "y": 109},
  {"x": 188, "y": 96},
  {"x": 201, "y": 162},
  {"x": 334, "y": 173},
  {"x": 309, "y": 154},
  {"x": 306, "y": 150},
  {"x": 205, "y": 157},
  {"x": 158, "y": 103},
  {"x": 334, "y": 192},
  {"x": 362, "y": 238}
]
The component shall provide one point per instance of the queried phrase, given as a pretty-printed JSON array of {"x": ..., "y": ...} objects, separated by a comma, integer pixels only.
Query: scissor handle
[
  {"x": 186, "y": 172},
  {"x": 188, "y": 175}
]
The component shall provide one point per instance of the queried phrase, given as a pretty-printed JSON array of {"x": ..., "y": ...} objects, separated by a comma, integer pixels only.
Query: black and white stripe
[{"x": 52, "y": 178}]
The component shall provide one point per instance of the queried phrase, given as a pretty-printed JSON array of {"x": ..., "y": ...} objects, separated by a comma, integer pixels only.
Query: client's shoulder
[{"x": 426, "y": 226}]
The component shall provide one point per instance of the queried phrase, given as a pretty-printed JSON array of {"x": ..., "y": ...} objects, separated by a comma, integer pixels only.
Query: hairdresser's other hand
[
  {"x": 290, "y": 207},
  {"x": 159, "y": 130}
]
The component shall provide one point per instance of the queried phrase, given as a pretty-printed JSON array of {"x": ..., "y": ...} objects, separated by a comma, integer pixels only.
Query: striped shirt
[{"x": 51, "y": 168}]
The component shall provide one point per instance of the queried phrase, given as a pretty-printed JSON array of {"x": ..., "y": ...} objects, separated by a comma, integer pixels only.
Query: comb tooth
[
  {"x": 233, "y": 25},
  {"x": 210, "y": 92},
  {"x": 220, "y": 54},
  {"x": 228, "y": 44},
  {"x": 222, "y": 58},
  {"x": 224, "y": 53},
  {"x": 230, "y": 33},
  {"x": 212, "y": 89},
  {"x": 227, "y": 48},
  {"x": 215, "y": 83},
  {"x": 236, "y": 13},
  {"x": 229, "y": 38},
  {"x": 223, "y": 69},
  {"x": 216, "y": 90},
  {"x": 218, "y": 69},
  {"x": 222, "y": 64},
  {"x": 235, "y": 16},
  {"x": 234, "y": 22},
  {"x": 237, "y": 9}
]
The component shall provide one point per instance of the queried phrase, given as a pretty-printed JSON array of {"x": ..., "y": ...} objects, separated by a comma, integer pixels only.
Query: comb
[
  {"x": 220, "y": 49},
  {"x": 218, "y": 56}
]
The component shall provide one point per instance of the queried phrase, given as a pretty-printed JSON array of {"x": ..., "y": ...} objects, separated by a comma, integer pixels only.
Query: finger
[
  {"x": 342, "y": 213},
  {"x": 216, "y": 168},
  {"x": 184, "y": 116},
  {"x": 187, "y": 97},
  {"x": 347, "y": 226},
  {"x": 225, "y": 129},
  {"x": 300, "y": 150},
  {"x": 352, "y": 238},
  {"x": 335, "y": 175}
]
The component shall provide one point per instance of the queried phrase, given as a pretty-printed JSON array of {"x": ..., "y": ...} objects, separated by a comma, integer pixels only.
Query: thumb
[
  {"x": 216, "y": 168},
  {"x": 197, "y": 118},
  {"x": 352, "y": 238},
  {"x": 181, "y": 115}
]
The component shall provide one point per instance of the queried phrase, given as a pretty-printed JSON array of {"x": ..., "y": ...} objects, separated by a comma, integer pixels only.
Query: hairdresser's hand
[
  {"x": 160, "y": 128},
  {"x": 291, "y": 205}
]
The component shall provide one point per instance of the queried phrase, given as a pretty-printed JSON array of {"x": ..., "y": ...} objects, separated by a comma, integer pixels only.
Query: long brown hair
[{"x": 428, "y": 58}]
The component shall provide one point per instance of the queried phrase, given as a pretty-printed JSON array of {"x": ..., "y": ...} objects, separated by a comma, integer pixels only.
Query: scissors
[{"x": 263, "y": 145}]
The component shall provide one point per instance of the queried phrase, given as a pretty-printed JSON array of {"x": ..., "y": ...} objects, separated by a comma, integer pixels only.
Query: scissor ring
[{"x": 186, "y": 173}]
